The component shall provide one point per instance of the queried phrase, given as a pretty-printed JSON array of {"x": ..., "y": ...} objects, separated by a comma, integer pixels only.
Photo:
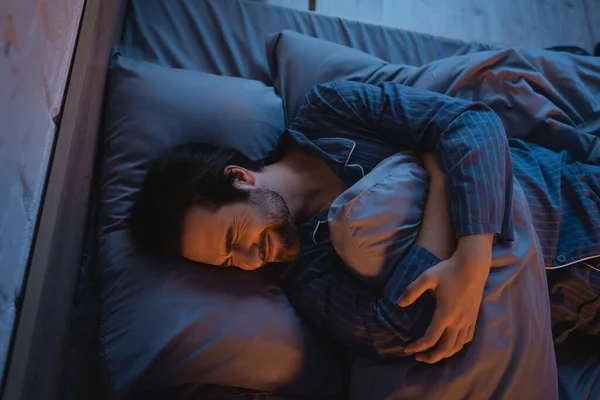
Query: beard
[{"x": 274, "y": 212}]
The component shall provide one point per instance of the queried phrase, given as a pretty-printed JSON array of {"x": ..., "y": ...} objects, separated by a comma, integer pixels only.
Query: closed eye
[{"x": 228, "y": 246}]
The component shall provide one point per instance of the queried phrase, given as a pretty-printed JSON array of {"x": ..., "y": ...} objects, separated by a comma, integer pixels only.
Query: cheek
[{"x": 255, "y": 228}]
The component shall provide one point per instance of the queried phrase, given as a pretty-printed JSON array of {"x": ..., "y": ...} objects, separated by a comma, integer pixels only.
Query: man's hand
[{"x": 457, "y": 285}]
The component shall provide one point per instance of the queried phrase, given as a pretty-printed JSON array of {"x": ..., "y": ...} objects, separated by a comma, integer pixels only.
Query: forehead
[{"x": 204, "y": 232}]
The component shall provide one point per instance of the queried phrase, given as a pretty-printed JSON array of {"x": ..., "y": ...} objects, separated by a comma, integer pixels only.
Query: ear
[{"x": 242, "y": 176}]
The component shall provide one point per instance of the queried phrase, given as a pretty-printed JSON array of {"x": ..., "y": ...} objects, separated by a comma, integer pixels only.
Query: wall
[
  {"x": 37, "y": 38},
  {"x": 527, "y": 23}
]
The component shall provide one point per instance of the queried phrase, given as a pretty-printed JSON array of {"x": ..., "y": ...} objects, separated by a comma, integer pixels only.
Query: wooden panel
[
  {"x": 36, "y": 47},
  {"x": 36, "y": 362},
  {"x": 527, "y": 23}
]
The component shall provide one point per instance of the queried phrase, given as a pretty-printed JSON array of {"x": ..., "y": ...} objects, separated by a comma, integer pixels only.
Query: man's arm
[
  {"x": 463, "y": 280},
  {"x": 435, "y": 242},
  {"x": 435, "y": 232},
  {"x": 360, "y": 318}
]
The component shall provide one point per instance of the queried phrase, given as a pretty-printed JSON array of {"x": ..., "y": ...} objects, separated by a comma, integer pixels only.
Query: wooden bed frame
[{"x": 39, "y": 347}]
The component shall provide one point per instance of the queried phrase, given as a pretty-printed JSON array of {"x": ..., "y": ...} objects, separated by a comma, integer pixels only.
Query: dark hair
[{"x": 191, "y": 174}]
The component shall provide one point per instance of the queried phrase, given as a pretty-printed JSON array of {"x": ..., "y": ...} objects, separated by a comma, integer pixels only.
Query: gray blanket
[{"x": 546, "y": 98}]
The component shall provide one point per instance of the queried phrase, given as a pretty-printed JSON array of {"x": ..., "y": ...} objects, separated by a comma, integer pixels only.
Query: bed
[{"x": 183, "y": 41}]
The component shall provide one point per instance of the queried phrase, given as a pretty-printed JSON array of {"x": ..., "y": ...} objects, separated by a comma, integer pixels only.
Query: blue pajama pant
[
  {"x": 575, "y": 289},
  {"x": 575, "y": 299}
]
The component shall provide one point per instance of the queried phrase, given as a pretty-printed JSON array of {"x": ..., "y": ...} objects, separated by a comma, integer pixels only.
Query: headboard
[{"x": 37, "y": 356}]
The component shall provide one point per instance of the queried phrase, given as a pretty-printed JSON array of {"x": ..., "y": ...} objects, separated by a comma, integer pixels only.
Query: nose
[{"x": 250, "y": 256}]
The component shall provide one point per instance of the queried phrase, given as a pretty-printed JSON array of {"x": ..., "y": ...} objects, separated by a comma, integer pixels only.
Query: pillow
[
  {"x": 152, "y": 108},
  {"x": 374, "y": 222},
  {"x": 172, "y": 323},
  {"x": 371, "y": 225},
  {"x": 298, "y": 62},
  {"x": 512, "y": 354}
]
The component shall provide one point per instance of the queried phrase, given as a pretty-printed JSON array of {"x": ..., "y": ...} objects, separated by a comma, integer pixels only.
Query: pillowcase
[
  {"x": 373, "y": 223},
  {"x": 169, "y": 322},
  {"x": 298, "y": 62},
  {"x": 150, "y": 109}
]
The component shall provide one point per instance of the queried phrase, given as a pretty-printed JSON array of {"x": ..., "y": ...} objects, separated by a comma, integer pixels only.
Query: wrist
[
  {"x": 481, "y": 240},
  {"x": 475, "y": 247},
  {"x": 436, "y": 177}
]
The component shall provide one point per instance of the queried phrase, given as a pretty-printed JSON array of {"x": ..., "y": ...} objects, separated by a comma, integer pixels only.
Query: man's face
[{"x": 246, "y": 234}]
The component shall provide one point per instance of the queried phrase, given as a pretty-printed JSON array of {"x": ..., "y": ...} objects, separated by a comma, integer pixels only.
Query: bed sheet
[
  {"x": 543, "y": 97},
  {"x": 579, "y": 368},
  {"x": 551, "y": 99}
]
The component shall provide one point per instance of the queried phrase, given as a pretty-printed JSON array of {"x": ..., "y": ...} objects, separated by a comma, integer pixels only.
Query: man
[{"x": 215, "y": 206}]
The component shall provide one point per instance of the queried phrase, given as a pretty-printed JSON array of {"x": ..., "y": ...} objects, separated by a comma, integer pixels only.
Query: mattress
[{"x": 228, "y": 37}]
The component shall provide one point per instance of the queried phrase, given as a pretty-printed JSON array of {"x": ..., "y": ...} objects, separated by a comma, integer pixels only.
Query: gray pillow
[
  {"x": 374, "y": 222},
  {"x": 150, "y": 109},
  {"x": 298, "y": 62},
  {"x": 170, "y": 323}
]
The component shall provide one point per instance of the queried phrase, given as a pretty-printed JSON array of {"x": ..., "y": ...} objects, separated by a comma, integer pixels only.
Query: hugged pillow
[
  {"x": 170, "y": 322},
  {"x": 512, "y": 354},
  {"x": 375, "y": 221}
]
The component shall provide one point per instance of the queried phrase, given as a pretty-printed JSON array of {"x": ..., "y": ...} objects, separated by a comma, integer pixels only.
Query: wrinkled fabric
[
  {"x": 579, "y": 368},
  {"x": 575, "y": 300},
  {"x": 511, "y": 355},
  {"x": 227, "y": 37},
  {"x": 362, "y": 219},
  {"x": 547, "y": 98}
]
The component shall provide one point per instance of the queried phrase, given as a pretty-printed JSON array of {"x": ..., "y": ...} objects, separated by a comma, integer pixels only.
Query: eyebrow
[{"x": 228, "y": 244}]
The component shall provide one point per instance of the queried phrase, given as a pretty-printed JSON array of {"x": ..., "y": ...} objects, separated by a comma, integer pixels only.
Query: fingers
[
  {"x": 470, "y": 333},
  {"x": 451, "y": 342},
  {"x": 432, "y": 335},
  {"x": 444, "y": 349},
  {"x": 423, "y": 283},
  {"x": 461, "y": 340}
]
